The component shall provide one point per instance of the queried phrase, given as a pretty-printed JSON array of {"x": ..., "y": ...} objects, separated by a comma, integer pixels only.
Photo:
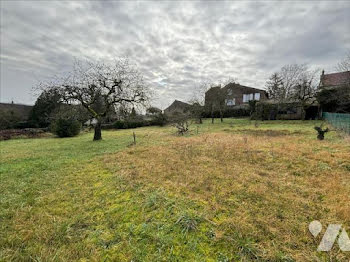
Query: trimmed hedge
[
  {"x": 231, "y": 112},
  {"x": 120, "y": 124},
  {"x": 159, "y": 120}
]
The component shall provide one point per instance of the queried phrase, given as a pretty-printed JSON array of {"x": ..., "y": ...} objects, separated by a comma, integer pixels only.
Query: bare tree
[
  {"x": 344, "y": 65},
  {"x": 199, "y": 91},
  {"x": 197, "y": 100},
  {"x": 295, "y": 82},
  {"x": 181, "y": 121},
  {"x": 221, "y": 103},
  {"x": 304, "y": 91},
  {"x": 182, "y": 124},
  {"x": 100, "y": 87},
  {"x": 291, "y": 75}
]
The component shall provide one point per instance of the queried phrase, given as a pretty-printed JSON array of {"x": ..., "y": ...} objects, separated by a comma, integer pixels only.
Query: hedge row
[
  {"x": 234, "y": 112},
  {"x": 134, "y": 123}
]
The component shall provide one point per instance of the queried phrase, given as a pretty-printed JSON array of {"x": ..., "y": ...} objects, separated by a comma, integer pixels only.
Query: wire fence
[{"x": 339, "y": 121}]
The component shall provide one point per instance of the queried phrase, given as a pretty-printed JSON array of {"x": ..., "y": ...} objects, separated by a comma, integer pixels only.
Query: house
[
  {"x": 334, "y": 92},
  {"x": 334, "y": 80},
  {"x": 177, "y": 107},
  {"x": 233, "y": 94}
]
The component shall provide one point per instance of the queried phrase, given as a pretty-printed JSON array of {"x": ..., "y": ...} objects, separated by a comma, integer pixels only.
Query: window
[
  {"x": 229, "y": 92},
  {"x": 231, "y": 102},
  {"x": 257, "y": 96},
  {"x": 247, "y": 97}
]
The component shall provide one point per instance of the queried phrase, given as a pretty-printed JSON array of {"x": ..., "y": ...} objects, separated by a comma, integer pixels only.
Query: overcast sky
[{"x": 175, "y": 44}]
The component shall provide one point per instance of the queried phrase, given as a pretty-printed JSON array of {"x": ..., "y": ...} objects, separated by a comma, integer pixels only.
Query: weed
[{"x": 188, "y": 222}]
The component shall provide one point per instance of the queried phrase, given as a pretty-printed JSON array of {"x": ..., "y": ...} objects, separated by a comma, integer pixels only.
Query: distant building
[
  {"x": 334, "y": 93},
  {"x": 334, "y": 80},
  {"x": 233, "y": 94},
  {"x": 177, "y": 107}
]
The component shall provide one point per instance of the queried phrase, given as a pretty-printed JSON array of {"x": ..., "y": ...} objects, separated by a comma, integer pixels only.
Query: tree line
[{"x": 98, "y": 90}]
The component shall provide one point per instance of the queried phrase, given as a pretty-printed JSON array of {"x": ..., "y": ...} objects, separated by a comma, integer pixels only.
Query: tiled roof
[
  {"x": 177, "y": 104},
  {"x": 335, "y": 79}
]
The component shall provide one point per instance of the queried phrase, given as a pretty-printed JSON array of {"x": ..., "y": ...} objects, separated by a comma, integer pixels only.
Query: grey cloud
[{"x": 176, "y": 45}]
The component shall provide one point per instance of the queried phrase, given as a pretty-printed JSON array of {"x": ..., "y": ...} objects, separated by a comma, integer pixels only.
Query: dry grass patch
[
  {"x": 227, "y": 194},
  {"x": 266, "y": 190}
]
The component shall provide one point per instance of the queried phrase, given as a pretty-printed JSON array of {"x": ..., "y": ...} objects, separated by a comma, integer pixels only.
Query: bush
[
  {"x": 126, "y": 124},
  {"x": 265, "y": 111},
  {"x": 157, "y": 120},
  {"x": 64, "y": 127}
]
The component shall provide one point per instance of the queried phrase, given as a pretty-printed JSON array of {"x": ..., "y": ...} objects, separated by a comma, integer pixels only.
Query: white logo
[{"x": 330, "y": 236}]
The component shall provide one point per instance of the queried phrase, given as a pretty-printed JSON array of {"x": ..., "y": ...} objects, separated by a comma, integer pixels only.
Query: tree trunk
[
  {"x": 303, "y": 114},
  {"x": 200, "y": 120},
  {"x": 303, "y": 111},
  {"x": 221, "y": 116},
  {"x": 98, "y": 135}
]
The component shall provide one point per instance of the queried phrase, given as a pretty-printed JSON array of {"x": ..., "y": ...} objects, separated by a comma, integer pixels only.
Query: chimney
[{"x": 321, "y": 79}]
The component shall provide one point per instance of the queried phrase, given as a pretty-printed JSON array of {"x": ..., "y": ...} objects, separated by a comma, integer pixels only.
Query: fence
[{"x": 339, "y": 121}]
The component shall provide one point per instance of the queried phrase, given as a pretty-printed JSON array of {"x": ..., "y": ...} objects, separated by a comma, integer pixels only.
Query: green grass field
[{"x": 231, "y": 191}]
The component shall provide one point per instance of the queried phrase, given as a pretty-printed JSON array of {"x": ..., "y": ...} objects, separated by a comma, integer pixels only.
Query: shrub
[
  {"x": 134, "y": 123},
  {"x": 66, "y": 127},
  {"x": 159, "y": 120},
  {"x": 181, "y": 122},
  {"x": 321, "y": 132},
  {"x": 119, "y": 124},
  {"x": 265, "y": 111}
]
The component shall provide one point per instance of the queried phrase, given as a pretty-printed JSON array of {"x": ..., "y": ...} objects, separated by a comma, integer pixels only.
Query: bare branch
[{"x": 100, "y": 87}]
